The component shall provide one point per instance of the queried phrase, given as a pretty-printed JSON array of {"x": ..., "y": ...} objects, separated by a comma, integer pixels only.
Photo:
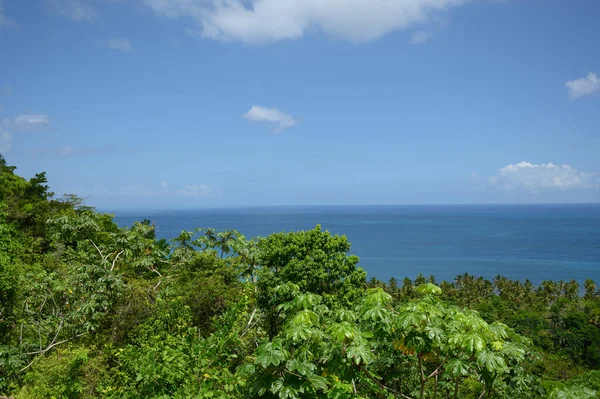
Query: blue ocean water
[{"x": 539, "y": 242}]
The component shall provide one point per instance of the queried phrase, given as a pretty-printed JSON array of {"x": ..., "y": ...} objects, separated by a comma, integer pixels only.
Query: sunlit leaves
[
  {"x": 429, "y": 335},
  {"x": 576, "y": 392},
  {"x": 359, "y": 354},
  {"x": 473, "y": 342},
  {"x": 344, "y": 332},
  {"x": 428, "y": 289}
]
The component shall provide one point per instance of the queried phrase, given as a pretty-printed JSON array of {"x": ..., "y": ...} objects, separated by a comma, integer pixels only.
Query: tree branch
[
  {"x": 98, "y": 249},
  {"x": 115, "y": 260},
  {"x": 436, "y": 371},
  {"x": 372, "y": 377},
  {"x": 47, "y": 349}
]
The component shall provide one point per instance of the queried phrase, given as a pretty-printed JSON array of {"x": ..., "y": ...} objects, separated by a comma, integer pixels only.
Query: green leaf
[
  {"x": 473, "y": 342},
  {"x": 318, "y": 382},
  {"x": 359, "y": 353},
  {"x": 302, "y": 368},
  {"x": 429, "y": 289},
  {"x": 457, "y": 367},
  {"x": 343, "y": 331},
  {"x": 492, "y": 362}
]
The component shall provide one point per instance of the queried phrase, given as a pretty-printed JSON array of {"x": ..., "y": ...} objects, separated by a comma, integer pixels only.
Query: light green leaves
[
  {"x": 576, "y": 392},
  {"x": 359, "y": 354},
  {"x": 473, "y": 342},
  {"x": 377, "y": 297},
  {"x": 429, "y": 289},
  {"x": 344, "y": 332}
]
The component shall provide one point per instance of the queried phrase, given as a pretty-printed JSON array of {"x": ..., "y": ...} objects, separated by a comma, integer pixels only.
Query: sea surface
[{"x": 538, "y": 242}]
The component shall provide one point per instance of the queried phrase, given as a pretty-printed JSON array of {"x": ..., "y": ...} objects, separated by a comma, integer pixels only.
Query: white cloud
[
  {"x": 164, "y": 186},
  {"x": 198, "y": 191},
  {"x": 30, "y": 122},
  {"x": 5, "y": 141},
  {"x": 544, "y": 176},
  {"x": 272, "y": 115},
  {"x": 261, "y": 21},
  {"x": 77, "y": 10},
  {"x": 420, "y": 37},
  {"x": 133, "y": 190},
  {"x": 119, "y": 43},
  {"x": 585, "y": 86}
]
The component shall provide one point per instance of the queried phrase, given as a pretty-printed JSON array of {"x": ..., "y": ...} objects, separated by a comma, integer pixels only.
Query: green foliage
[
  {"x": 91, "y": 309},
  {"x": 66, "y": 373},
  {"x": 314, "y": 260},
  {"x": 590, "y": 379},
  {"x": 413, "y": 350},
  {"x": 576, "y": 392}
]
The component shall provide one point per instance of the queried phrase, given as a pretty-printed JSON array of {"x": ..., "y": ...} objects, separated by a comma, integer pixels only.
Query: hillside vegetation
[{"x": 90, "y": 309}]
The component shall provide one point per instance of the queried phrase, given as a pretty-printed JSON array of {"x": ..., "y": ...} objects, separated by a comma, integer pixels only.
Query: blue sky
[{"x": 203, "y": 103}]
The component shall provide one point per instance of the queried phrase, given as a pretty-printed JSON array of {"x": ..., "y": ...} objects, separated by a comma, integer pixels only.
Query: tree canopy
[{"x": 92, "y": 309}]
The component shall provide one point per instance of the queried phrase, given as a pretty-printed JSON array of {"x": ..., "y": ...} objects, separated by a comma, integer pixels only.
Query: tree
[
  {"x": 421, "y": 349},
  {"x": 314, "y": 260}
]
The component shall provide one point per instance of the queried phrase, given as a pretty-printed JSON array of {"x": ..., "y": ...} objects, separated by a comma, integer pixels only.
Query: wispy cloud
[
  {"x": 263, "y": 21},
  {"x": 77, "y": 10},
  {"x": 147, "y": 190},
  {"x": 202, "y": 190},
  {"x": 19, "y": 123},
  {"x": 271, "y": 115},
  {"x": 534, "y": 177},
  {"x": 30, "y": 122},
  {"x": 119, "y": 43},
  {"x": 585, "y": 86},
  {"x": 420, "y": 37},
  {"x": 134, "y": 190}
]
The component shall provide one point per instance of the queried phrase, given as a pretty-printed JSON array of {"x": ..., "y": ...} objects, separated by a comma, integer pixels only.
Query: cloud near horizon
[
  {"x": 264, "y": 21},
  {"x": 585, "y": 86},
  {"x": 138, "y": 190},
  {"x": 202, "y": 190},
  {"x": 271, "y": 115},
  {"x": 534, "y": 177},
  {"x": 120, "y": 44}
]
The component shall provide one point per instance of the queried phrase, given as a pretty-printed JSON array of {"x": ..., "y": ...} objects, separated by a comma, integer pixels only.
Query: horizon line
[{"x": 227, "y": 207}]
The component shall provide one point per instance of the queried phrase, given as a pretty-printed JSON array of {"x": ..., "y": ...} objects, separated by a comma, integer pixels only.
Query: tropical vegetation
[{"x": 92, "y": 309}]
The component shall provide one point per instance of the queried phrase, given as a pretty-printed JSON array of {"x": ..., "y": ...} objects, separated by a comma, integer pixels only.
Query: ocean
[{"x": 538, "y": 242}]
